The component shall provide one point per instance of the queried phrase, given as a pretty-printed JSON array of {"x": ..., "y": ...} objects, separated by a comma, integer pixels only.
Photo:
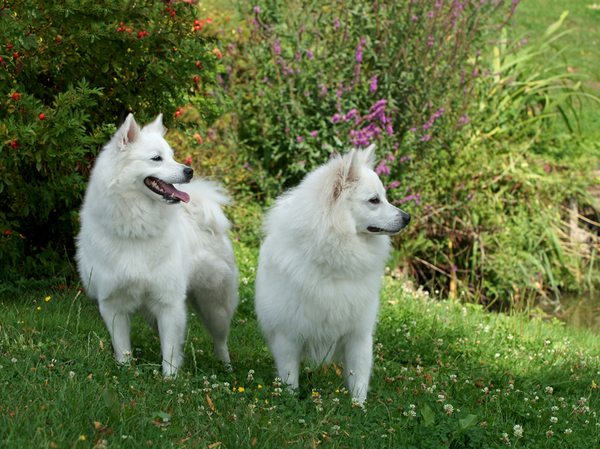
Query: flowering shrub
[
  {"x": 313, "y": 79},
  {"x": 68, "y": 71}
]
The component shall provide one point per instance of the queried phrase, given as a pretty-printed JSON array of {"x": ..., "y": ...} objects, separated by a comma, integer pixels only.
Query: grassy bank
[
  {"x": 580, "y": 46},
  {"x": 445, "y": 374}
]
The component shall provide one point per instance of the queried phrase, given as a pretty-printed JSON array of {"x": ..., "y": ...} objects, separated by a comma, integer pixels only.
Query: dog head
[
  {"x": 149, "y": 160},
  {"x": 358, "y": 186}
]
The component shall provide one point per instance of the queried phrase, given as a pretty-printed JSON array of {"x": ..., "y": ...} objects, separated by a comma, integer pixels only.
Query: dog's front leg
[
  {"x": 287, "y": 355},
  {"x": 117, "y": 322},
  {"x": 358, "y": 358},
  {"x": 171, "y": 320}
]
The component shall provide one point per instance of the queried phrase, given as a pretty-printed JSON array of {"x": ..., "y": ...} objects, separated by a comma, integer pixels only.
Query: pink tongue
[{"x": 170, "y": 189}]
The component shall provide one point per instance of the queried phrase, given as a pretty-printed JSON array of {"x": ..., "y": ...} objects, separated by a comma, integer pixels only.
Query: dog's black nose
[{"x": 188, "y": 172}]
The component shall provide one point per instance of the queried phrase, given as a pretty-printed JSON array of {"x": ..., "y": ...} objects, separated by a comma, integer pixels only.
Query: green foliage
[
  {"x": 444, "y": 375},
  {"x": 69, "y": 71},
  {"x": 314, "y": 78},
  {"x": 491, "y": 207}
]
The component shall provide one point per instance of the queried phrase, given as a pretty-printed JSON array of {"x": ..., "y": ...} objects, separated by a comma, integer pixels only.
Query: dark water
[{"x": 581, "y": 311}]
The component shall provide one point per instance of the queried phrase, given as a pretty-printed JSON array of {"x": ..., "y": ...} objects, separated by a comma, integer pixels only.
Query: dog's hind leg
[
  {"x": 216, "y": 308},
  {"x": 117, "y": 322},
  {"x": 171, "y": 321}
]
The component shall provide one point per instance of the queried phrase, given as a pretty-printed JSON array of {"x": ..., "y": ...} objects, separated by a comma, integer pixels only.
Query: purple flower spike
[{"x": 257, "y": 9}]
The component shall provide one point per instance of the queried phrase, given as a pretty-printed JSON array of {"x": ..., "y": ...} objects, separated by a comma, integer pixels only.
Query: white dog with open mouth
[
  {"x": 320, "y": 267},
  {"x": 139, "y": 250}
]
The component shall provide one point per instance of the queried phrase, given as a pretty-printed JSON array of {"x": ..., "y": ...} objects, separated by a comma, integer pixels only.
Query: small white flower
[
  {"x": 554, "y": 420},
  {"x": 568, "y": 431},
  {"x": 549, "y": 390},
  {"x": 510, "y": 337},
  {"x": 518, "y": 431},
  {"x": 245, "y": 281},
  {"x": 71, "y": 374},
  {"x": 448, "y": 409},
  {"x": 13, "y": 360},
  {"x": 169, "y": 391}
]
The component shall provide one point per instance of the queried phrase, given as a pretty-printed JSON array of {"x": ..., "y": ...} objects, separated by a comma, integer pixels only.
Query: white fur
[
  {"x": 138, "y": 253},
  {"x": 320, "y": 268}
]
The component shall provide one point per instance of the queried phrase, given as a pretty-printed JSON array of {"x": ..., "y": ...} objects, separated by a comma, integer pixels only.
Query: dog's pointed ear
[
  {"x": 367, "y": 157},
  {"x": 348, "y": 171},
  {"x": 128, "y": 133},
  {"x": 156, "y": 126}
]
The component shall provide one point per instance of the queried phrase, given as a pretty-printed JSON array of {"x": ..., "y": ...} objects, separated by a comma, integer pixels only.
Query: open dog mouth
[
  {"x": 168, "y": 191},
  {"x": 374, "y": 229}
]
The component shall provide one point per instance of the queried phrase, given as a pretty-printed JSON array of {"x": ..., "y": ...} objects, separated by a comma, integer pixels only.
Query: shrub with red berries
[{"x": 69, "y": 72}]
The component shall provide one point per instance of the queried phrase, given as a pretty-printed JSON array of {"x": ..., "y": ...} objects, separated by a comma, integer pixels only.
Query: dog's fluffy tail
[{"x": 206, "y": 201}]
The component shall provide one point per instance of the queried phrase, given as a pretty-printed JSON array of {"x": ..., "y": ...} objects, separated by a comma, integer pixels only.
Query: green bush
[
  {"x": 313, "y": 78},
  {"x": 68, "y": 72}
]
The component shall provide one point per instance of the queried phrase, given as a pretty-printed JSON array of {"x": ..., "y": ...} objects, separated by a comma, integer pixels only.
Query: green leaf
[
  {"x": 467, "y": 422},
  {"x": 428, "y": 416}
]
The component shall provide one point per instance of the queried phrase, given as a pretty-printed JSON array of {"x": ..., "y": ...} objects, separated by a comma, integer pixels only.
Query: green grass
[
  {"x": 61, "y": 387},
  {"x": 581, "y": 45}
]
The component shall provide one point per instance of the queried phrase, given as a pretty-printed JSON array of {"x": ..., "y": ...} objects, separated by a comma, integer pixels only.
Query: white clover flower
[
  {"x": 554, "y": 420},
  {"x": 554, "y": 408},
  {"x": 169, "y": 391},
  {"x": 13, "y": 360},
  {"x": 71, "y": 374},
  {"x": 510, "y": 337},
  {"x": 448, "y": 409},
  {"x": 549, "y": 390},
  {"x": 568, "y": 431},
  {"x": 245, "y": 281},
  {"x": 518, "y": 431},
  {"x": 252, "y": 269}
]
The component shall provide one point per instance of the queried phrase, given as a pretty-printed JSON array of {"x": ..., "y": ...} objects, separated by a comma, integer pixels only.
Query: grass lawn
[
  {"x": 581, "y": 46},
  {"x": 445, "y": 374}
]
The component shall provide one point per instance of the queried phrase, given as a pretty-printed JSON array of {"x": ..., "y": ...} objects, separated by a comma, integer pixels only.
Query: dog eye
[
  {"x": 374, "y": 200},
  {"x": 157, "y": 158}
]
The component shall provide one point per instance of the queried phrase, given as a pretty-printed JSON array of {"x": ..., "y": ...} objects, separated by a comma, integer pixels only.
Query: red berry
[
  {"x": 209, "y": 20},
  {"x": 196, "y": 79},
  {"x": 42, "y": 116},
  {"x": 140, "y": 34},
  {"x": 173, "y": 14},
  {"x": 119, "y": 29},
  {"x": 168, "y": 8},
  {"x": 7, "y": 233},
  {"x": 177, "y": 112},
  {"x": 128, "y": 30},
  {"x": 57, "y": 39},
  {"x": 14, "y": 144},
  {"x": 16, "y": 56},
  {"x": 16, "y": 96},
  {"x": 9, "y": 46},
  {"x": 198, "y": 63},
  {"x": 196, "y": 22},
  {"x": 196, "y": 27},
  {"x": 0, "y": 60}
]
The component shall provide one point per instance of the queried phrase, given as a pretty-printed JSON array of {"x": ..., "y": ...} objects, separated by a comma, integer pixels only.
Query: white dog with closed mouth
[
  {"x": 320, "y": 267},
  {"x": 139, "y": 250}
]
